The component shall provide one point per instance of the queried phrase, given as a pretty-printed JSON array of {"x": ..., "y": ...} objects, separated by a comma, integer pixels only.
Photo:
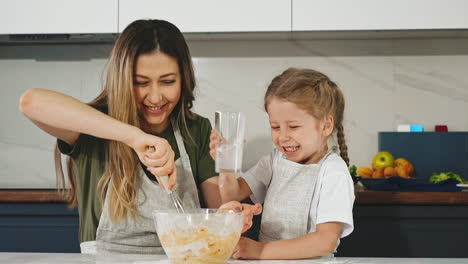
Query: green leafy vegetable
[
  {"x": 435, "y": 178},
  {"x": 353, "y": 171}
]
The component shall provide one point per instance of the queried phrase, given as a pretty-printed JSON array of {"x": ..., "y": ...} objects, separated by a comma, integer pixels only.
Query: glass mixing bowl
[{"x": 205, "y": 236}]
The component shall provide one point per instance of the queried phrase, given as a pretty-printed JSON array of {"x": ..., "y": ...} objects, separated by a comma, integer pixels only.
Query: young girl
[
  {"x": 304, "y": 183},
  {"x": 146, "y": 101}
]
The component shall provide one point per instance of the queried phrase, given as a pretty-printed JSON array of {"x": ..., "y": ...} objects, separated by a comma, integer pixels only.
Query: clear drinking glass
[{"x": 231, "y": 128}]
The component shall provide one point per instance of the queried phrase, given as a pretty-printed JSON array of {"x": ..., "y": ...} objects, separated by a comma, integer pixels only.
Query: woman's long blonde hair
[
  {"x": 315, "y": 93},
  {"x": 118, "y": 101}
]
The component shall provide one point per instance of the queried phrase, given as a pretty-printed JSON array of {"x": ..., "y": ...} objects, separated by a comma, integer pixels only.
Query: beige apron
[
  {"x": 138, "y": 236},
  {"x": 292, "y": 196}
]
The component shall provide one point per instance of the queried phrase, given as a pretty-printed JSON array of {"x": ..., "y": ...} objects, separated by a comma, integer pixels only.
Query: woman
[{"x": 146, "y": 101}]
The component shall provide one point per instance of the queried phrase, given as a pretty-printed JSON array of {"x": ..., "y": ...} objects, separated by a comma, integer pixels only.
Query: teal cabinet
[{"x": 38, "y": 227}]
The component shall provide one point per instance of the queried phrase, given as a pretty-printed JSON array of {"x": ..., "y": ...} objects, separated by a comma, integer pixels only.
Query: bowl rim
[{"x": 195, "y": 211}]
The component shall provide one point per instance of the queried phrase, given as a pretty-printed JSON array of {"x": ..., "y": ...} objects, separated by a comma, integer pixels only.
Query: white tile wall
[{"x": 385, "y": 82}]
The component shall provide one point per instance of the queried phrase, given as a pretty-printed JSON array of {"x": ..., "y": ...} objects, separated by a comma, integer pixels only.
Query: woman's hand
[
  {"x": 247, "y": 249},
  {"x": 248, "y": 209},
  {"x": 157, "y": 155}
]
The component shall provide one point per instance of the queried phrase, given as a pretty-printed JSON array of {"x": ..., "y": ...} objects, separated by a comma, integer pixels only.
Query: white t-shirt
[{"x": 336, "y": 197}]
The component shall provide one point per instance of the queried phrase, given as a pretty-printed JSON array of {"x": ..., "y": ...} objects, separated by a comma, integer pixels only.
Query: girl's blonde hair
[
  {"x": 313, "y": 92},
  {"x": 118, "y": 101}
]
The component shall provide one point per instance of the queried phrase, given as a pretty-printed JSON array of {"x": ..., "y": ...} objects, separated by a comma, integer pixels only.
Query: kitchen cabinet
[
  {"x": 211, "y": 15},
  {"x": 409, "y": 231},
  {"x": 37, "y": 221},
  {"x": 58, "y": 17},
  {"x": 408, "y": 224},
  {"x": 38, "y": 227},
  {"x": 243, "y": 16},
  {"x": 386, "y": 224},
  {"x": 337, "y": 15}
]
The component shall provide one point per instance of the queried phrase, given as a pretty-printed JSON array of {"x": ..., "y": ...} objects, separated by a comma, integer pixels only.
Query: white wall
[{"x": 385, "y": 82}]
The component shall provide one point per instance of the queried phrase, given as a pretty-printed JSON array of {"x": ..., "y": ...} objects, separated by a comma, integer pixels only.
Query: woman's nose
[{"x": 155, "y": 94}]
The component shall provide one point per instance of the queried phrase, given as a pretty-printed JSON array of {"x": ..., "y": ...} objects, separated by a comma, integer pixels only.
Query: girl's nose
[{"x": 284, "y": 135}]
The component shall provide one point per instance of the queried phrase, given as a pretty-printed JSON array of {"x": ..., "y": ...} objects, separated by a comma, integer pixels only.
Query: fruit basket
[
  {"x": 369, "y": 182},
  {"x": 386, "y": 172},
  {"x": 392, "y": 184}
]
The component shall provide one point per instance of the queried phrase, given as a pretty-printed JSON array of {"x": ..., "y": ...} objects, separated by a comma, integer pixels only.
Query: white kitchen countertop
[{"x": 68, "y": 258}]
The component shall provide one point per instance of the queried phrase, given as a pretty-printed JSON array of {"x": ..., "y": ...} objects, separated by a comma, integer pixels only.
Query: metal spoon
[{"x": 179, "y": 205}]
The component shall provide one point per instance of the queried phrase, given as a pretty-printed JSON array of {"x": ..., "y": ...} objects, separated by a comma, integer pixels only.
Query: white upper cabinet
[
  {"x": 58, "y": 16},
  {"x": 211, "y": 15},
  {"x": 321, "y": 15}
]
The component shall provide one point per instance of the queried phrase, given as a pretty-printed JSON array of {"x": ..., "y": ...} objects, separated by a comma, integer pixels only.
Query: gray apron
[
  {"x": 292, "y": 196},
  {"x": 138, "y": 235}
]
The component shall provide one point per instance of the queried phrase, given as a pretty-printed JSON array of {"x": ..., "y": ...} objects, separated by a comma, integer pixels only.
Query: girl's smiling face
[
  {"x": 157, "y": 86},
  {"x": 296, "y": 133}
]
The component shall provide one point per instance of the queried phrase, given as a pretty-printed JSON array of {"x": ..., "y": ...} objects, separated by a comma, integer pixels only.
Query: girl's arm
[
  {"x": 211, "y": 193},
  {"x": 320, "y": 243},
  {"x": 232, "y": 189},
  {"x": 217, "y": 192}
]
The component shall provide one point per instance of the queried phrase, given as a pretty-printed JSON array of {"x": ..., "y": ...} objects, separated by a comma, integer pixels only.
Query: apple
[
  {"x": 401, "y": 172},
  {"x": 406, "y": 166},
  {"x": 390, "y": 172},
  {"x": 382, "y": 160},
  {"x": 378, "y": 173}
]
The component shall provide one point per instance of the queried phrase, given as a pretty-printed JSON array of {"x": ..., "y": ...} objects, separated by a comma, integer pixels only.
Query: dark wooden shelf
[
  {"x": 362, "y": 197},
  {"x": 25, "y": 195},
  {"x": 412, "y": 198}
]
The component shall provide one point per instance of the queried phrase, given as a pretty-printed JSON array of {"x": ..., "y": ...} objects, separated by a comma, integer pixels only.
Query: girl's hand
[
  {"x": 214, "y": 141},
  {"x": 157, "y": 155},
  {"x": 247, "y": 249},
  {"x": 249, "y": 211}
]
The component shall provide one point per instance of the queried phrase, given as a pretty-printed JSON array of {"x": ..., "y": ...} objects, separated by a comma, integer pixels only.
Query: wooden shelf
[
  {"x": 412, "y": 198},
  {"x": 362, "y": 197},
  {"x": 35, "y": 196}
]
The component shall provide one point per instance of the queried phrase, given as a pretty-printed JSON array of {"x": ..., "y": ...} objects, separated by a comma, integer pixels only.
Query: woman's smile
[{"x": 155, "y": 109}]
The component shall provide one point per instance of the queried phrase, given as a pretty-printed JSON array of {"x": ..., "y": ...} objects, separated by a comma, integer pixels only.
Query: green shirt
[{"x": 89, "y": 160}]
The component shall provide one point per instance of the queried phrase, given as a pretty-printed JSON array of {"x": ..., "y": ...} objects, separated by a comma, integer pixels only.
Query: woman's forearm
[{"x": 67, "y": 113}]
